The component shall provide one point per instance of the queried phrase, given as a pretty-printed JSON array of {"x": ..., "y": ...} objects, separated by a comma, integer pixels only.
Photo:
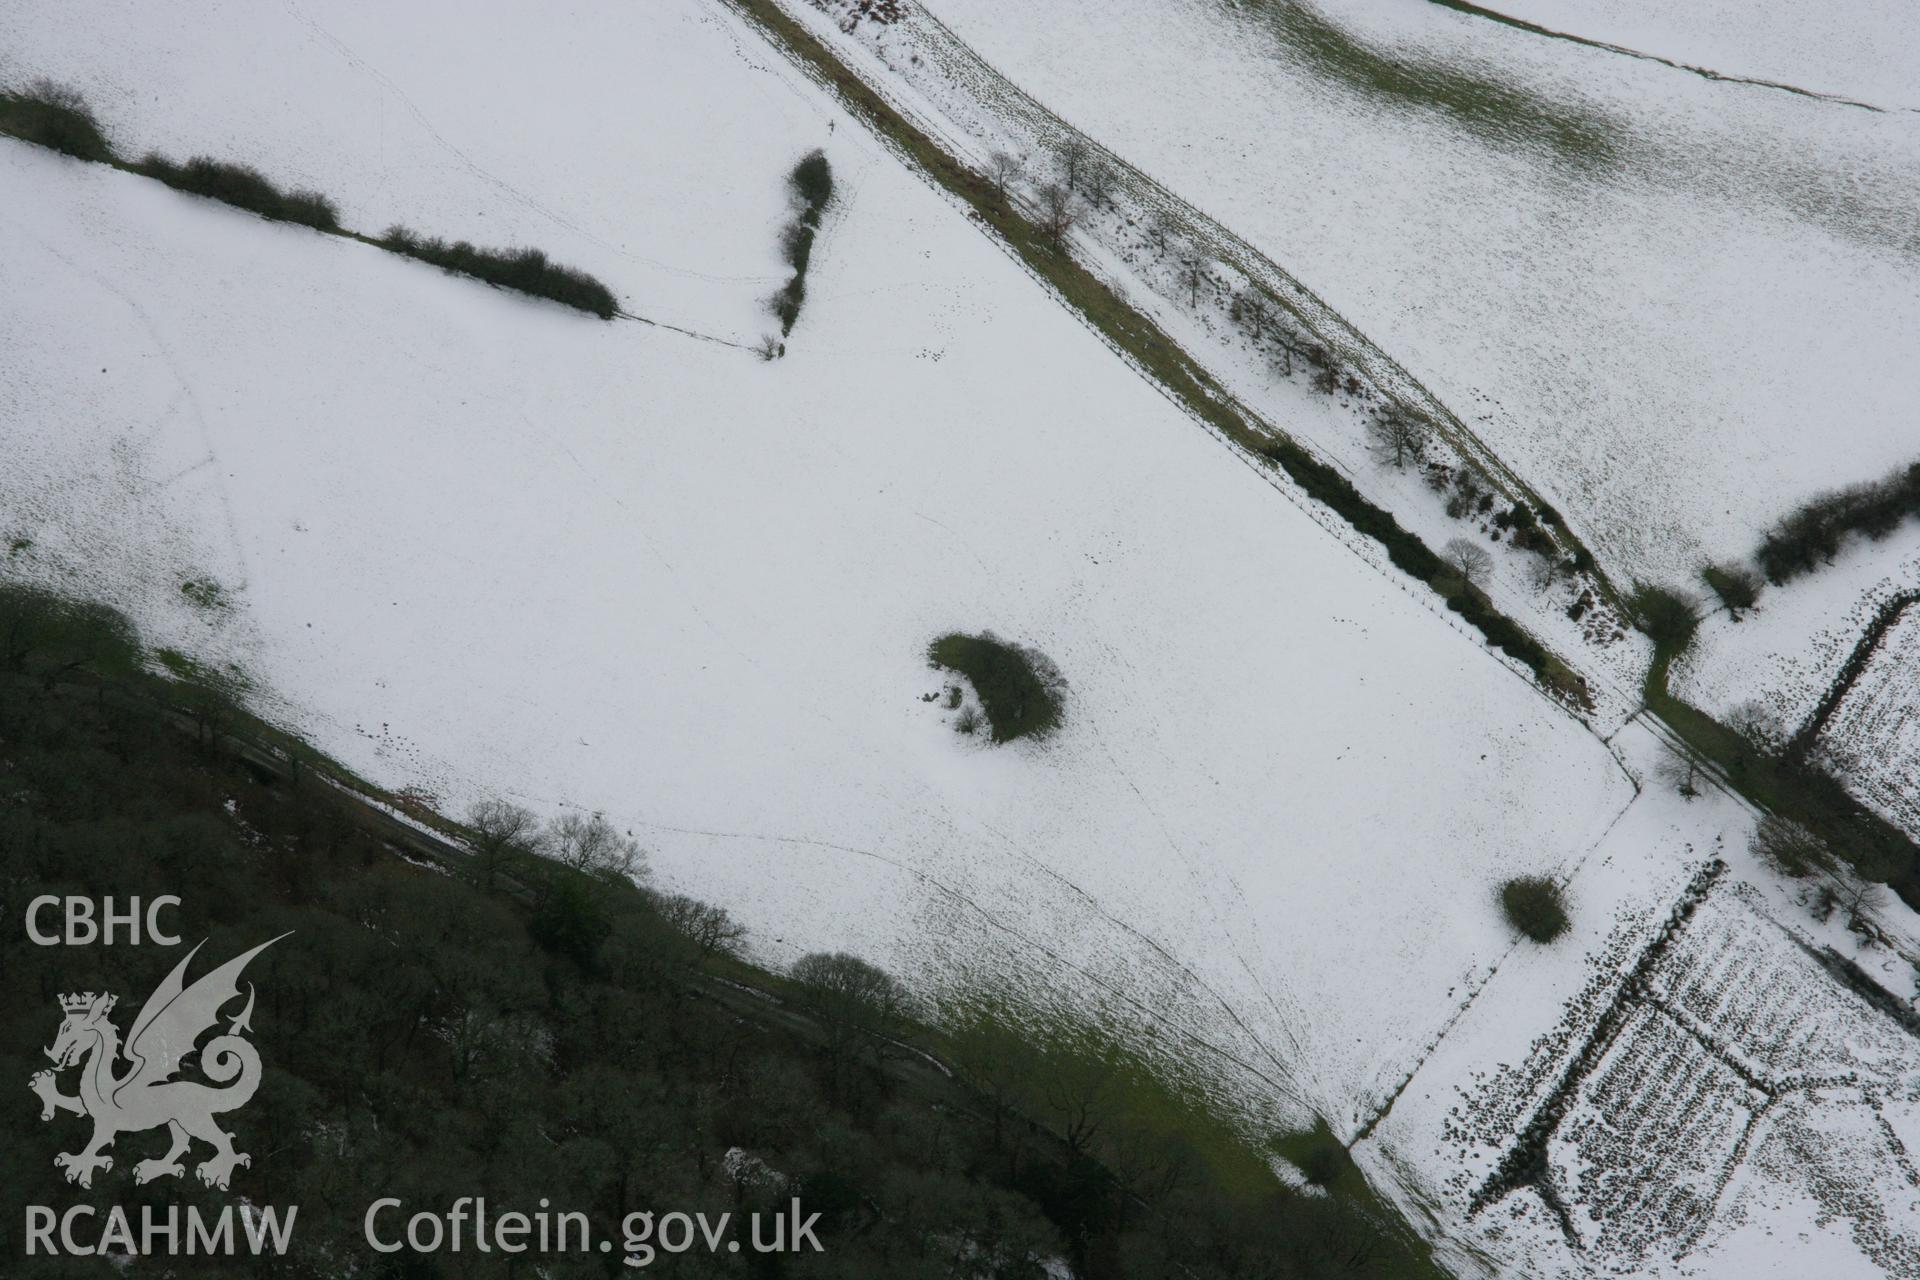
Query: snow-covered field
[
  {"x": 379, "y": 111},
  {"x": 478, "y": 543},
  {"x": 1676, "y": 306}
]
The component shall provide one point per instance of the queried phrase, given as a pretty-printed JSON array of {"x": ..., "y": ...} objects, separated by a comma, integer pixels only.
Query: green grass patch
[
  {"x": 1200, "y": 1174},
  {"x": 1018, "y": 688},
  {"x": 49, "y": 634},
  {"x": 1499, "y": 113},
  {"x": 54, "y": 116},
  {"x": 243, "y": 187}
]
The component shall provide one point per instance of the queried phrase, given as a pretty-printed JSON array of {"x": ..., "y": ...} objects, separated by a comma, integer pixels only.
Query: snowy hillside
[{"x": 695, "y": 589}]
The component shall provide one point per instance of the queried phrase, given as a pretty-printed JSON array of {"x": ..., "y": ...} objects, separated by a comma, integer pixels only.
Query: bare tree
[
  {"x": 1082, "y": 1090},
  {"x": 1759, "y": 725},
  {"x": 1159, "y": 233},
  {"x": 1193, "y": 271},
  {"x": 1547, "y": 571},
  {"x": 1397, "y": 435},
  {"x": 1097, "y": 184},
  {"x": 1254, "y": 313},
  {"x": 1790, "y": 848},
  {"x": 711, "y": 930},
  {"x": 1287, "y": 346},
  {"x": 1468, "y": 559},
  {"x": 1075, "y": 156},
  {"x": 1003, "y": 170},
  {"x": 500, "y": 832},
  {"x": 591, "y": 845},
  {"x": 1059, "y": 210},
  {"x": 1862, "y": 897},
  {"x": 1152, "y": 1164},
  {"x": 1681, "y": 771},
  {"x": 857, "y": 1006}
]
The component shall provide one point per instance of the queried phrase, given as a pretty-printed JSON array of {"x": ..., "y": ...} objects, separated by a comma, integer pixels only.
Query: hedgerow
[
  {"x": 52, "y": 115},
  {"x": 812, "y": 185},
  {"x": 1407, "y": 551},
  {"x": 526, "y": 270},
  {"x": 244, "y": 187},
  {"x": 1814, "y": 533}
]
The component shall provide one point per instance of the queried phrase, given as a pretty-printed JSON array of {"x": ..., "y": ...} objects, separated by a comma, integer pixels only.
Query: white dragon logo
[{"x": 144, "y": 1097}]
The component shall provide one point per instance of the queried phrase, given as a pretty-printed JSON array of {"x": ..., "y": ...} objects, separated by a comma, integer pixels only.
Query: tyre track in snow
[{"x": 1146, "y": 1012}]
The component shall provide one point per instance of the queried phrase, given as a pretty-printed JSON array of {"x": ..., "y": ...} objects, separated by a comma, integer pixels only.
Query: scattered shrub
[
  {"x": 1737, "y": 588},
  {"x": 1518, "y": 516},
  {"x": 525, "y": 270},
  {"x": 1813, "y": 534},
  {"x": 812, "y": 185},
  {"x": 1466, "y": 495},
  {"x": 1668, "y": 617},
  {"x": 52, "y": 115},
  {"x": 1018, "y": 688},
  {"x": 204, "y": 593},
  {"x": 1535, "y": 907},
  {"x": 1520, "y": 521},
  {"x": 244, "y": 187}
]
